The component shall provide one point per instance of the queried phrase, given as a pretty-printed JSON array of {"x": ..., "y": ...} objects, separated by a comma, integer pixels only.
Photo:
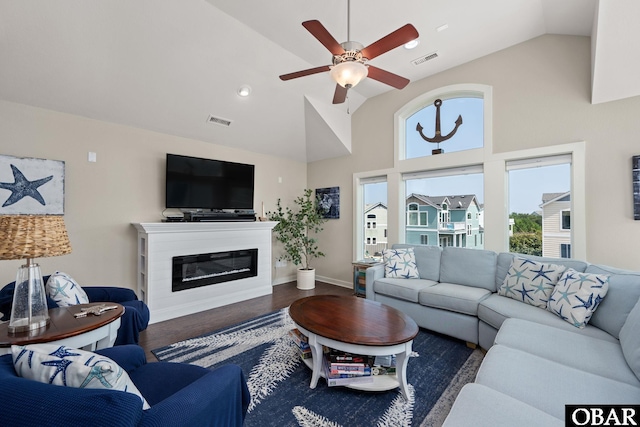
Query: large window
[
  {"x": 452, "y": 199},
  {"x": 375, "y": 217},
  {"x": 540, "y": 205},
  {"x": 425, "y": 189}
]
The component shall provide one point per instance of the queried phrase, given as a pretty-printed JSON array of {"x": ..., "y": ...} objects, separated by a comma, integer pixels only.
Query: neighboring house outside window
[
  {"x": 376, "y": 231},
  {"x": 556, "y": 224},
  {"x": 443, "y": 220}
]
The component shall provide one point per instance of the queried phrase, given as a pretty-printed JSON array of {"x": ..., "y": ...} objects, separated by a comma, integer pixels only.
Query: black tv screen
[{"x": 195, "y": 183}]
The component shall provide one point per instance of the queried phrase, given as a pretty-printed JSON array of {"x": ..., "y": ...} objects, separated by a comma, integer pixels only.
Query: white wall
[
  {"x": 124, "y": 186},
  {"x": 541, "y": 94}
]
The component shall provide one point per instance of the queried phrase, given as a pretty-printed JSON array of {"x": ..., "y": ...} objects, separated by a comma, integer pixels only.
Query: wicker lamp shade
[{"x": 33, "y": 236}]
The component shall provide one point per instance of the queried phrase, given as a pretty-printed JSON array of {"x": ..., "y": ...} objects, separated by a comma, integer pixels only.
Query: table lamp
[{"x": 31, "y": 236}]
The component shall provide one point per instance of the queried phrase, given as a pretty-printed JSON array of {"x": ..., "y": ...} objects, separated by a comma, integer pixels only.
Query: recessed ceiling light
[
  {"x": 244, "y": 90},
  {"x": 412, "y": 44},
  {"x": 442, "y": 27}
]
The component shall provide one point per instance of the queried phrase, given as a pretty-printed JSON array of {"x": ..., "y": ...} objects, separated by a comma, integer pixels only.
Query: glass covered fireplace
[{"x": 192, "y": 271}]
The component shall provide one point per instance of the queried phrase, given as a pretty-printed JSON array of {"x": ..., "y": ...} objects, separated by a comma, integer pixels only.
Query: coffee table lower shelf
[{"x": 380, "y": 382}]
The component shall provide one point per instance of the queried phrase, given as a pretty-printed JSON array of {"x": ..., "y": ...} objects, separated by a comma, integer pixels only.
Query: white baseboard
[
  {"x": 331, "y": 281},
  {"x": 336, "y": 282}
]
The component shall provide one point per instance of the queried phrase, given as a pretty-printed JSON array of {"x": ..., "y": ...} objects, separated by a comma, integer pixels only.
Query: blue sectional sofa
[{"x": 537, "y": 362}]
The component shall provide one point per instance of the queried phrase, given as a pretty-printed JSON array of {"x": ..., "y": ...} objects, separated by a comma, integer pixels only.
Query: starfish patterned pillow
[
  {"x": 400, "y": 263},
  {"x": 577, "y": 296},
  {"x": 64, "y": 290},
  {"x": 66, "y": 366},
  {"x": 530, "y": 282}
]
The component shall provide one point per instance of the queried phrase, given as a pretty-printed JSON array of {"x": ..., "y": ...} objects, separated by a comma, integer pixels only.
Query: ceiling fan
[{"x": 350, "y": 58}]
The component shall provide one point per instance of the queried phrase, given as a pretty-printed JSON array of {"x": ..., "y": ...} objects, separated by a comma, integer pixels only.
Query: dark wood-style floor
[{"x": 164, "y": 333}]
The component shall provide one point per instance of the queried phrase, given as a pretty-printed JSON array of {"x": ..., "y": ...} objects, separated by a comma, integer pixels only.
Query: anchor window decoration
[{"x": 438, "y": 137}]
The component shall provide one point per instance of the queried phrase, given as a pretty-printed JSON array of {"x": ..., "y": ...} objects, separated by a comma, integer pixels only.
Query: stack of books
[
  {"x": 301, "y": 342},
  {"x": 342, "y": 368}
]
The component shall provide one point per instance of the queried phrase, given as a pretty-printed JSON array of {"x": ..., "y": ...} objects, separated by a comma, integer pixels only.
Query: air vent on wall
[
  {"x": 218, "y": 121},
  {"x": 425, "y": 58}
]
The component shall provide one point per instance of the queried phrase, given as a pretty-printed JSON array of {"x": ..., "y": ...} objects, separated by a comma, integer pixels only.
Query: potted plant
[{"x": 296, "y": 230}]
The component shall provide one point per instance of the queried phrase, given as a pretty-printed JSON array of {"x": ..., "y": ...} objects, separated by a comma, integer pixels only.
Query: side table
[
  {"x": 90, "y": 332},
  {"x": 359, "y": 276}
]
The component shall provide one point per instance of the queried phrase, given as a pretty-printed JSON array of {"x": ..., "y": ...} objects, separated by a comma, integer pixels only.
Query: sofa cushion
[
  {"x": 449, "y": 296},
  {"x": 470, "y": 267},
  {"x": 427, "y": 259},
  {"x": 624, "y": 291},
  {"x": 480, "y": 406},
  {"x": 577, "y": 296},
  {"x": 495, "y": 309},
  {"x": 400, "y": 263},
  {"x": 504, "y": 262},
  {"x": 530, "y": 281},
  {"x": 66, "y": 366},
  {"x": 548, "y": 385},
  {"x": 600, "y": 357},
  {"x": 403, "y": 289},
  {"x": 630, "y": 339},
  {"x": 64, "y": 290}
]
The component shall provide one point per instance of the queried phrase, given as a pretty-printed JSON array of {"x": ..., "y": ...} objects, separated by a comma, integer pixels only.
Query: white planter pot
[{"x": 306, "y": 279}]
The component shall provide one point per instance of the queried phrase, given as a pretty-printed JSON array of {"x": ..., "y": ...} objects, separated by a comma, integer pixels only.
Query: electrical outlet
[{"x": 281, "y": 263}]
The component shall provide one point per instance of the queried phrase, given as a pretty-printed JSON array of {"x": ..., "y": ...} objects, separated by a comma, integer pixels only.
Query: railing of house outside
[{"x": 452, "y": 226}]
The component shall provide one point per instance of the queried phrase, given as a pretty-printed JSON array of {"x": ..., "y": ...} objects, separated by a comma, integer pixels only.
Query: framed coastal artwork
[
  {"x": 329, "y": 201},
  {"x": 30, "y": 186},
  {"x": 635, "y": 172}
]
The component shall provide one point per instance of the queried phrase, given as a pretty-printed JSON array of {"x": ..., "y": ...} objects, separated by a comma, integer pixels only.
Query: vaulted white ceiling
[{"x": 167, "y": 65}]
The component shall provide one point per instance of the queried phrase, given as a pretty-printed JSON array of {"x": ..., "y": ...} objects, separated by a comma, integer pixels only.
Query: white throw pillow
[
  {"x": 530, "y": 282},
  {"x": 577, "y": 296},
  {"x": 66, "y": 366},
  {"x": 400, "y": 263},
  {"x": 64, "y": 290}
]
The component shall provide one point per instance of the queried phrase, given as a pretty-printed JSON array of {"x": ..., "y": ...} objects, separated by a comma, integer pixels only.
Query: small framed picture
[{"x": 329, "y": 201}]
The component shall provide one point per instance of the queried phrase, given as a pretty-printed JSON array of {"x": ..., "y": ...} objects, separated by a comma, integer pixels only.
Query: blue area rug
[{"x": 279, "y": 381}]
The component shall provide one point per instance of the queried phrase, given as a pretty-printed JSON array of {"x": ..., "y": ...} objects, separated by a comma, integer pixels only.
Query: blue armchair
[
  {"x": 179, "y": 395},
  {"x": 134, "y": 320}
]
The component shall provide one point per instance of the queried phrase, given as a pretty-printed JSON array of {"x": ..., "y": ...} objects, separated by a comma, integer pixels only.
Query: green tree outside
[{"x": 527, "y": 234}]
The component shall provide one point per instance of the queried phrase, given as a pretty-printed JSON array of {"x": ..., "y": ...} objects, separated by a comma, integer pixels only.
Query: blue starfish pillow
[
  {"x": 577, "y": 295},
  {"x": 530, "y": 282},
  {"x": 400, "y": 263},
  {"x": 66, "y": 366},
  {"x": 64, "y": 290}
]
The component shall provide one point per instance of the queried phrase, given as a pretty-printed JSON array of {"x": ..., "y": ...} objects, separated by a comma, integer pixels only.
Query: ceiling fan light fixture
[{"x": 349, "y": 73}]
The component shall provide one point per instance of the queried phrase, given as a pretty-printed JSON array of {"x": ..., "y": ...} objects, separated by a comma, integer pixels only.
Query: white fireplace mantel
[{"x": 159, "y": 242}]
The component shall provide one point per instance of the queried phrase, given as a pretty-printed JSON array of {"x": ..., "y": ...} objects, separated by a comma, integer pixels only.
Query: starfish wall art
[{"x": 30, "y": 186}]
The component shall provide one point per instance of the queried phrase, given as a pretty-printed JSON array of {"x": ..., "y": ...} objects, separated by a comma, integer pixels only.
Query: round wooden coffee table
[
  {"x": 91, "y": 332},
  {"x": 358, "y": 326}
]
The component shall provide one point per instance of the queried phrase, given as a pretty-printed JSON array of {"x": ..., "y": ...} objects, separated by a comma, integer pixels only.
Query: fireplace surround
[{"x": 160, "y": 242}]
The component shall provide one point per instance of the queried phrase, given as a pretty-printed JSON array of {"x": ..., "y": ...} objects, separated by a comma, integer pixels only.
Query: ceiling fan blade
[
  {"x": 320, "y": 32},
  {"x": 340, "y": 94},
  {"x": 387, "y": 78},
  {"x": 397, "y": 38},
  {"x": 303, "y": 73}
]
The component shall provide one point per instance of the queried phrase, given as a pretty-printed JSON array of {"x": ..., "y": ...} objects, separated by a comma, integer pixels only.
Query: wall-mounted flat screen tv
[{"x": 196, "y": 183}]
